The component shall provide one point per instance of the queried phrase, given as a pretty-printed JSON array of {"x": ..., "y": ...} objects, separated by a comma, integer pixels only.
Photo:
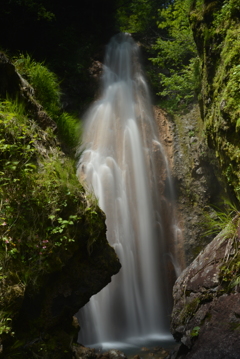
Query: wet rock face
[
  {"x": 206, "y": 313},
  {"x": 197, "y": 179}
]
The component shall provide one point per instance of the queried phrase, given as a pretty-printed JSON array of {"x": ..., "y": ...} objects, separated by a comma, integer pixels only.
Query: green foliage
[
  {"x": 43, "y": 208},
  {"x": 44, "y": 82},
  {"x": 180, "y": 87},
  {"x": 230, "y": 272},
  {"x": 224, "y": 17},
  {"x": 221, "y": 219},
  {"x": 227, "y": 221},
  {"x": 138, "y": 16},
  {"x": 35, "y": 8},
  {"x": 216, "y": 31},
  {"x": 189, "y": 309},
  {"x": 195, "y": 332},
  {"x": 222, "y": 117},
  {"x": 236, "y": 281},
  {"x": 44, "y": 211},
  {"x": 176, "y": 55},
  {"x": 5, "y": 324},
  {"x": 47, "y": 93},
  {"x": 70, "y": 128},
  {"x": 68, "y": 35}
]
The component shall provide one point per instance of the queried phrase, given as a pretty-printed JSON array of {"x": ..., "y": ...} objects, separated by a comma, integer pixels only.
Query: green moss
[
  {"x": 47, "y": 92},
  {"x": 45, "y": 213},
  {"x": 218, "y": 40},
  {"x": 207, "y": 318},
  {"x": 235, "y": 326},
  {"x": 188, "y": 310},
  {"x": 230, "y": 273},
  {"x": 197, "y": 250}
]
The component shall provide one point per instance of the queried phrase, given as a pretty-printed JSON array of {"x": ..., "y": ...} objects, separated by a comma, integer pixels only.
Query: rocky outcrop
[
  {"x": 60, "y": 258},
  {"x": 206, "y": 313},
  {"x": 45, "y": 319}
]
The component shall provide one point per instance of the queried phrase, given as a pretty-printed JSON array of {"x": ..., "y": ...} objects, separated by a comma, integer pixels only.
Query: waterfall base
[{"x": 135, "y": 344}]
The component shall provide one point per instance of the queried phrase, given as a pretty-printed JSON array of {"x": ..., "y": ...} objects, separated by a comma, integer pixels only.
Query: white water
[{"x": 125, "y": 165}]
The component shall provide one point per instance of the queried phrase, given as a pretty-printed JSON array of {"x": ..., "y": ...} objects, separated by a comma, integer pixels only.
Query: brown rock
[
  {"x": 112, "y": 354},
  {"x": 81, "y": 352},
  {"x": 206, "y": 313}
]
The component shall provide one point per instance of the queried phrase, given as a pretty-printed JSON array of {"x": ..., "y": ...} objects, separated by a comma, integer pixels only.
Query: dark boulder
[{"x": 206, "y": 313}]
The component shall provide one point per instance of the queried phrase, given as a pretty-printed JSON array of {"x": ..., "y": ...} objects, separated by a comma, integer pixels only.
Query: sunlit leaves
[{"x": 176, "y": 54}]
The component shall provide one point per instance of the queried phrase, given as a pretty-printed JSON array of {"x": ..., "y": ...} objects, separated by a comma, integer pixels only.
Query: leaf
[
  {"x": 52, "y": 217},
  {"x": 195, "y": 332},
  {"x": 235, "y": 282}
]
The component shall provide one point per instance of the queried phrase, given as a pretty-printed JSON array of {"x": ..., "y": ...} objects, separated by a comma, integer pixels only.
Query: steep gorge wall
[
  {"x": 205, "y": 318},
  {"x": 216, "y": 29},
  {"x": 202, "y": 142},
  {"x": 197, "y": 178}
]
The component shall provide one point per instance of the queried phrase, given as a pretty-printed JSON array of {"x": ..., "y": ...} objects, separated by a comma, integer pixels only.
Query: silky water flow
[{"x": 124, "y": 164}]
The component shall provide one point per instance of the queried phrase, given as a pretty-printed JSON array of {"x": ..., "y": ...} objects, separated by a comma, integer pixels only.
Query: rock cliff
[
  {"x": 206, "y": 314},
  {"x": 205, "y": 317},
  {"x": 216, "y": 30}
]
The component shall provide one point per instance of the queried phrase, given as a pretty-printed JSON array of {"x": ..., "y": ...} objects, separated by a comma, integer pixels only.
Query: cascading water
[{"x": 125, "y": 165}]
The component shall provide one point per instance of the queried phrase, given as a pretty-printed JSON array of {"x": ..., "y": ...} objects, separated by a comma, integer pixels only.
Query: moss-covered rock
[
  {"x": 216, "y": 29},
  {"x": 206, "y": 316},
  {"x": 53, "y": 250}
]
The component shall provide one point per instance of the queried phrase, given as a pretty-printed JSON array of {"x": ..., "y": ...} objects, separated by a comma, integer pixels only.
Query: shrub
[
  {"x": 70, "y": 128},
  {"x": 44, "y": 209},
  {"x": 47, "y": 92},
  {"x": 175, "y": 55},
  {"x": 44, "y": 82}
]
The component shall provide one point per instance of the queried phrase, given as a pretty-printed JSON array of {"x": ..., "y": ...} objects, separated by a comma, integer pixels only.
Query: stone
[
  {"x": 199, "y": 171},
  {"x": 81, "y": 352},
  {"x": 193, "y": 139},
  {"x": 112, "y": 354},
  {"x": 206, "y": 314}
]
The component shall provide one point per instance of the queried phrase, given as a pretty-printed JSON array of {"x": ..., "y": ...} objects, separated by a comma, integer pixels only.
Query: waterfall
[{"x": 123, "y": 162}]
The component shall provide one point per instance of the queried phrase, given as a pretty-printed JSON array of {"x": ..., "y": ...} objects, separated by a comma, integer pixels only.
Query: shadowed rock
[{"x": 206, "y": 313}]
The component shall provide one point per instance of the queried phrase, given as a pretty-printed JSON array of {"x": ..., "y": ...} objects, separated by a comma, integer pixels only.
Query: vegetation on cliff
[
  {"x": 46, "y": 215},
  {"x": 206, "y": 296},
  {"x": 175, "y": 55},
  {"x": 216, "y": 30},
  {"x": 193, "y": 46},
  {"x": 196, "y": 56}
]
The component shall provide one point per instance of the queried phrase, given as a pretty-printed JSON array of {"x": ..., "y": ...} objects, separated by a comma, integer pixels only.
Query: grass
[
  {"x": 221, "y": 219},
  {"x": 47, "y": 92},
  {"x": 44, "y": 211}
]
